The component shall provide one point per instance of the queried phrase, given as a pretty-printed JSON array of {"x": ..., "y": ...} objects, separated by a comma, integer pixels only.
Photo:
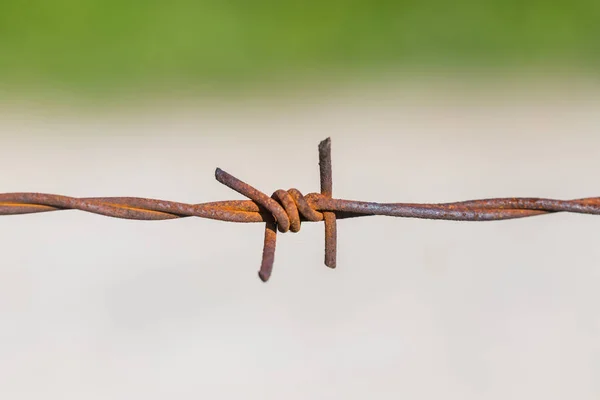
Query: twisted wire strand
[
  {"x": 302, "y": 208},
  {"x": 284, "y": 210}
]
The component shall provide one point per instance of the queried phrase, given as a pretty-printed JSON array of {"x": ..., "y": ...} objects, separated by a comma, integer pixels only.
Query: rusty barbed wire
[{"x": 286, "y": 209}]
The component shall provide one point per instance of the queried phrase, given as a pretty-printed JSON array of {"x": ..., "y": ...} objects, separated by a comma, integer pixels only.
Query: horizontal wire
[
  {"x": 286, "y": 209},
  {"x": 140, "y": 208}
]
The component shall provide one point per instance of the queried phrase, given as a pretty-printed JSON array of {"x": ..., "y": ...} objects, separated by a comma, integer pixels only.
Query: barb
[{"x": 284, "y": 210}]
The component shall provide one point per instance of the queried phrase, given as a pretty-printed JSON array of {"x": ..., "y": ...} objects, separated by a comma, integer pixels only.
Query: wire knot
[{"x": 287, "y": 208}]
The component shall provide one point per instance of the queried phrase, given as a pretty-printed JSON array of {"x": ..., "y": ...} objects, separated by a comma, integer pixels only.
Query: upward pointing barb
[{"x": 327, "y": 191}]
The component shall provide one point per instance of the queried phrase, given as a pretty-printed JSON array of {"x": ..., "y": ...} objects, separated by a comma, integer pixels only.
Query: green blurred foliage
[{"x": 114, "y": 43}]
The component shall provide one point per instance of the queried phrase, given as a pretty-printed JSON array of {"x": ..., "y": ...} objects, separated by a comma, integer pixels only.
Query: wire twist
[{"x": 284, "y": 210}]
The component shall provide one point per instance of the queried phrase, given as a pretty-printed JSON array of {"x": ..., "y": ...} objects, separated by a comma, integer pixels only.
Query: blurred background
[
  {"x": 425, "y": 102},
  {"x": 93, "y": 48}
]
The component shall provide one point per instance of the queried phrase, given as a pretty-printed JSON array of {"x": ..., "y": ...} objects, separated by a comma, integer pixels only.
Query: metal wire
[{"x": 285, "y": 210}]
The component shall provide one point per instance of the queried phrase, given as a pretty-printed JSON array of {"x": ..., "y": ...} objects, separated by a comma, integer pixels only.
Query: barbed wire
[{"x": 286, "y": 209}]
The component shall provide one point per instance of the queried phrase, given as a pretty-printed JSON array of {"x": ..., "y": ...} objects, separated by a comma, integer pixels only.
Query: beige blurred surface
[{"x": 95, "y": 308}]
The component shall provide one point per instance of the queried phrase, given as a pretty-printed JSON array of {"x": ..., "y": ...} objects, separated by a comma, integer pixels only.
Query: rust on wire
[{"x": 284, "y": 210}]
